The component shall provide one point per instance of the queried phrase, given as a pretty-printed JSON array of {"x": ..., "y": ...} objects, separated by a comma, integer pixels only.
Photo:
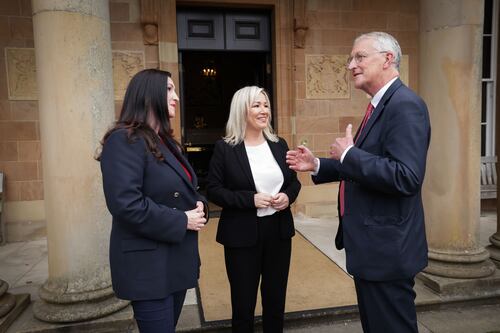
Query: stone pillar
[
  {"x": 74, "y": 74},
  {"x": 11, "y": 306},
  {"x": 7, "y": 301},
  {"x": 450, "y": 83},
  {"x": 494, "y": 247},
  {"x": 167, "y": 46}
]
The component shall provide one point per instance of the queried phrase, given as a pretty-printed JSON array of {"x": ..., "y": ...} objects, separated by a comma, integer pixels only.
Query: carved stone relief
[
  {"x": 21, "y": 73},
  {"x": 125, "y": 65},
  {"x": 300, "y": 28},
  {"x": 327, "y": 77}
]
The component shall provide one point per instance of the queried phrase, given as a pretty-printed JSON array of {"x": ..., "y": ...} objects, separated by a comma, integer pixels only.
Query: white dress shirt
[{"x": 375, "y": 100}]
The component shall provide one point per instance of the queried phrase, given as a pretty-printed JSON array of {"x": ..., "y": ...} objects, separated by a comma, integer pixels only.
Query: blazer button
[
  {"x": 197, "y": 188},
  {"x": 174, "y": 208},
  {"x": 176, "y": 194}
]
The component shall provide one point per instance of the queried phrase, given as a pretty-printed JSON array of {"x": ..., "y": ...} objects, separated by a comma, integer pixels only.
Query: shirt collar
[{"x": 378, "y": 96}]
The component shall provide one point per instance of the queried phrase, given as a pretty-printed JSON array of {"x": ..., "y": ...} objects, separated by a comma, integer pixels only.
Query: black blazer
[
  {"x": 152, "y": 254},
  {"x": 383, "y": 224},
  {"x": 231, "y": 186}
]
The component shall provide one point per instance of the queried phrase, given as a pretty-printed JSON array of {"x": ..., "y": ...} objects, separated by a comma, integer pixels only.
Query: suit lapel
[
  {"x": 377, "y": 112},
  {"x": 175, "y": 164},
  {"x": 278, "y": 155},
  {"x": 242, "y": 158}
]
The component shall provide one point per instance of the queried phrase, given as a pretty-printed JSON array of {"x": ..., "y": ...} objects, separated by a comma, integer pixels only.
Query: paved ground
[{"x": 24, "y": 266}]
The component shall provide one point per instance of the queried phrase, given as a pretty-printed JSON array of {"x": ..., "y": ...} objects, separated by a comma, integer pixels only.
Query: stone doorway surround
[{"x": 158, "y": 19}]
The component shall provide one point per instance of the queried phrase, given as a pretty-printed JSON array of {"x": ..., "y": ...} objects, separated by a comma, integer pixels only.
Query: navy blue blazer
[
  {"x": 152, "y": 254},
  {"x": 231, "y": 186},
  {"x": 383, "y": 229}
]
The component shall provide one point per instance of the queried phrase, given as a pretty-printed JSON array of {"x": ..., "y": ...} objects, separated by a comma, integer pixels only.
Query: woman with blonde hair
[{"x": 250, "y": 180}]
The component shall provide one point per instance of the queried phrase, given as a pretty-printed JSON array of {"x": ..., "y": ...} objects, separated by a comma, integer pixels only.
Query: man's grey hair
[{"x": 384, "y": 42}]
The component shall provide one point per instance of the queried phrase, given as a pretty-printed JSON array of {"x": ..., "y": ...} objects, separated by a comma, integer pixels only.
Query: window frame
[{"x": 488, "y": 145}]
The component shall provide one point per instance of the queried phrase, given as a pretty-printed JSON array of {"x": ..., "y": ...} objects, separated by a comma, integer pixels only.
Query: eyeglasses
[{"x": 358, "y": 57}]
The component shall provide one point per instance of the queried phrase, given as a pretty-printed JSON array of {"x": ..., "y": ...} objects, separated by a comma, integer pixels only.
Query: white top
[{"x": 266, "y": 173}]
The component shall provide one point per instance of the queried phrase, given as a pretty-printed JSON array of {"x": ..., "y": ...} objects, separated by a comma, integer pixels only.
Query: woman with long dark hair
[{"x": 150, "y": 191}]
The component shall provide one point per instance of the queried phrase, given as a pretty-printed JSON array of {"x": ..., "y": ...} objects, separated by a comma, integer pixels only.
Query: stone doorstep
[
  {"x": 22, "y": 302},
  {"x": 118, "y": 322},
  {"x": 329, "y": 315},
  {"x": 292, "y": 319},
  {"x": 122, "y": 321},
  {"x": 487, "y": 292}
]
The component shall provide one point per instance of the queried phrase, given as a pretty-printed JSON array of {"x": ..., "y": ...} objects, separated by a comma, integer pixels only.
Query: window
[{"x": 489, "y": 77}]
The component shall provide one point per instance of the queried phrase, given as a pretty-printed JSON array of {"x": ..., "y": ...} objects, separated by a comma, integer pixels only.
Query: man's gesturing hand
[
  {"x": 340, "y": 144},
  {"x": 301, "y": 159}
]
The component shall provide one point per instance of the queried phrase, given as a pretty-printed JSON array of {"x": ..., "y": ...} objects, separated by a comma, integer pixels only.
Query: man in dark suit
[{"x": 381, "y": 172}]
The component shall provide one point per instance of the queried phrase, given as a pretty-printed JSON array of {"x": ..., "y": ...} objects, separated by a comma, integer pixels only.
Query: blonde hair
[{"x": 237, "y": 122}]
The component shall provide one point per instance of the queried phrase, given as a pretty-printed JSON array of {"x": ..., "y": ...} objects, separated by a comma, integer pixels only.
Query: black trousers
[
  {"x": 268, "y": 261},
  {"x": 387, "y": 306}
]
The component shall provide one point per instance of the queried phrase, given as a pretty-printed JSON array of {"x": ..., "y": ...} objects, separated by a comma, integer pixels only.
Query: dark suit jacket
[
  {"x": 383, "y": 224},
  {"x": 152, "y": 254},
  {"x": 231, "y": 186}
]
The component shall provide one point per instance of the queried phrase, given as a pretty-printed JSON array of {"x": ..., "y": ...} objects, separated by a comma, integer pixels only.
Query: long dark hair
[{"x": 146, "y": 97}]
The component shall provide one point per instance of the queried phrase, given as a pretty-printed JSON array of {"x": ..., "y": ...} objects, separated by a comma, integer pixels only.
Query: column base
[
  {"x": 445, "y": 286},
  {"x": 118, "y": 322},
  {"x": 460, "y": 270},
  {"x": 21, "y": 302},
  {"x": 58, "y": 305},
  {"x": 7, "y": 302},
  {"x": 472, "y": 264},
  {"x": 494, "y": 255},
  {"x": 494, "y": 249},
  {"x": 82, "y": 311}
]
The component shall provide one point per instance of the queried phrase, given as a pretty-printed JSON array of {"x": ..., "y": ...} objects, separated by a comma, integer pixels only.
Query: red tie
[{"x": 369, "y": 111}]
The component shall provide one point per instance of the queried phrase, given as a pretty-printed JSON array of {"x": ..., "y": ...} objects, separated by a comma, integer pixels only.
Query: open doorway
[
  {"x": 220, "y": 51},
  {"x": 209, "y": 81}
]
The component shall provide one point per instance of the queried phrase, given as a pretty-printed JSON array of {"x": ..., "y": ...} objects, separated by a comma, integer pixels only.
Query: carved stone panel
[
  {"x": 327, "y": 77},
  {"x": 125, "y": 65},
  {"x": 21, "y": 73}
]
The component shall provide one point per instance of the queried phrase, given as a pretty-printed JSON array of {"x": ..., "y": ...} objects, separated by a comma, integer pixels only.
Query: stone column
[
  {"x": 494, "y": 248},
  {"x": 7, "y": 301},
  {"x": 11, "y": 306},
  {"x": 74, "y": 74},
  {"x": 450, "y": 83}
]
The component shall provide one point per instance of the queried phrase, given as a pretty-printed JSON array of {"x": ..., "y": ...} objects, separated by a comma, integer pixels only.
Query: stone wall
[
  {"x": 314, "y": 97},
  {"x": 130, "y": 55},
  {"x": 325, "y": 99},
  {"x": 20, "y": 151},
  {"x": 20, "y": 157}
]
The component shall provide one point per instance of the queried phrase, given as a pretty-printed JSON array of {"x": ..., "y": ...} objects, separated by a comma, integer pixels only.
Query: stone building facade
[{"x": 64, "y": 67}]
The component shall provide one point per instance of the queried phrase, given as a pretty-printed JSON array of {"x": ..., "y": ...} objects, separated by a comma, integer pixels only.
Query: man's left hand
[{"x": 340, "y": 144}]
